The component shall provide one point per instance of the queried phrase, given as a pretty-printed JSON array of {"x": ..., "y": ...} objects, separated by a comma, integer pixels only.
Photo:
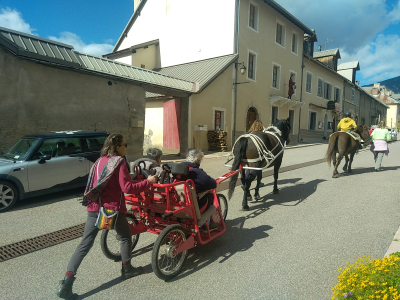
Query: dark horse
[
  {"x": 342, "y": 143},
  {"x": 245, "y": 149}
]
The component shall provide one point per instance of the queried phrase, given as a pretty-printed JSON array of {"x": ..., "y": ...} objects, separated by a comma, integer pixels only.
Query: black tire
[
  {"x": 162, "y": 257},
  {"x": 8, "y": 195},
  {"x": 223, "y": 203},
  {"x": 110, "y": 244}
]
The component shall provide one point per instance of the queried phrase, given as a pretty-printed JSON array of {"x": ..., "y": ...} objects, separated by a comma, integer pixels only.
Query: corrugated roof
[
  {"x": 202, "y": 71},
  {"x": 331, "y": 52},
  {"x": 349, "y": 65},
  {"x": 30, "y": 46}
]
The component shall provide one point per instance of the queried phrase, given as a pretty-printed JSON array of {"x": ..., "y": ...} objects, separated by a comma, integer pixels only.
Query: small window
[
  {"x": 319, "y": 93},
  {"x": 327, "y": 91},
  {"x": 93, "y": 143},
  {"x": 352, "y": 95},
  {"x": 337, "y": 95},
  {"x": 294, "y": 43},
  {"x": 218, "y": 120},
  {"x": 357, "y": 98},
  {"x": 251, "y": 66},
  {"x": 280, "y": 34},
  {"x": 253, "y": 14},
  {"x": 143, "y": 66},
  {"x": 308, "y": 82},
  {"x": 274, "y": 114},
  {"x": 275, "y": 76}
]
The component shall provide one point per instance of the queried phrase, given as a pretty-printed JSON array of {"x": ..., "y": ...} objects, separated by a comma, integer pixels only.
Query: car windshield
[{"x": 20, "y": 149}]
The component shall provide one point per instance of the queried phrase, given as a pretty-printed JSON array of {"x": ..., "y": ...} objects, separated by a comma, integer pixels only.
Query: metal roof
[
  {"x": 331, "y": 52},
  {"x": 349, "y": 65},
  {"x": 202, "y": 71},
  {"x": 33, "y": 47}
]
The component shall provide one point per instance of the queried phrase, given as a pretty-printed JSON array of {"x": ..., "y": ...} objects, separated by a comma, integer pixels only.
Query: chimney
[
  {"x": 377, "y": 85},
  {"x": 319, "y": 48},
  {"x": 357, "y": 82}
]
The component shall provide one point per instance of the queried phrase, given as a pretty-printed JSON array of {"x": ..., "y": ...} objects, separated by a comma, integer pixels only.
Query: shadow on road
[
  {"x": 49, "y": 199},
  {"x": 280, "y": 182},
  {"x": 236, "y": 239},
  {"x": 358, "y": 171}
]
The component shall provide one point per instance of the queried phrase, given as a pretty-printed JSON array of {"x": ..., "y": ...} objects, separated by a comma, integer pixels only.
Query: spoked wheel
[
  {"x": 8, "y": 195},
  {"x": 223, "y": 203},
  {"x": 110, "y": 241},
  {"x": 165, "y": 264}
]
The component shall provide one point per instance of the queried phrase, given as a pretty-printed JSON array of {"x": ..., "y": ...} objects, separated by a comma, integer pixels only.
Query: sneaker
[{"x": 211, "y": 226}]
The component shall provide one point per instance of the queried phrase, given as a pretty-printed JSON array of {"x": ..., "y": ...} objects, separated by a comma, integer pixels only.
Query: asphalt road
[{"x": 288, "y": 246}]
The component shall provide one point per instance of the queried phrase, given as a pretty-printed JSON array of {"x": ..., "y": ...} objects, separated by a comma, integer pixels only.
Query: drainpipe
[
  {"x": 236, "y": 72},
  {"x": 301, "y": 90}
]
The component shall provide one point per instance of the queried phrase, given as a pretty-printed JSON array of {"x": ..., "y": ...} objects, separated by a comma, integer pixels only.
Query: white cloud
[
  {"x": 74, "y": 40},
  {"x": 379, "y": 60},
  {"x": 12, "y": 19}
]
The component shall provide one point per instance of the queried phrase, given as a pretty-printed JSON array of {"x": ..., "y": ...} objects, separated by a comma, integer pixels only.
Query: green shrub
[{"x": 369, "y": 278}]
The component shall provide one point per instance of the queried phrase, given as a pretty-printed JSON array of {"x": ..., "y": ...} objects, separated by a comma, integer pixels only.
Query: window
[
  {"x": 59, "y": 147},
  {"x": 308, "y": 82},
  {"x": 319, "y": 92},
  {"x": 352, "y": 95},
  {"x": 253, "y": 15},
  {"x": 280, "y": 34},
  {"x": 312, "y": 120},
  {"x": 336, "y": 96},
  {"x": 274, "y": 114},
  {"x": 358, "y": 98},
  {"x": 294, "y": 80},
  {"x": 327, "y": 90},
  {"x": 275, "y": 76},
  {"x": 142, "y": 66},
  {"x": 294, "y": 43},
  {"x": 218, "y": 120},
  {"x": 251, "y": 66}
]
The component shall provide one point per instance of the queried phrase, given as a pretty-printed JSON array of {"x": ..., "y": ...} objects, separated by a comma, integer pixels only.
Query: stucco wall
[
  {"x": 149, "y": 57},
  {"x": 39, "y": 98},
  {"x": 154, "y": 125}
]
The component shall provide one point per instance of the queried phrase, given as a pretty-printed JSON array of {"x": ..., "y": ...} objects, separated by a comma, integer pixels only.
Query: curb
[{"x": 395, "y": 245}]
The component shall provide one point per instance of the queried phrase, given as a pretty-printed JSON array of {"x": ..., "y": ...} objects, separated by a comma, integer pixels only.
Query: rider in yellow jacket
[{"x": 347, "y": 123}]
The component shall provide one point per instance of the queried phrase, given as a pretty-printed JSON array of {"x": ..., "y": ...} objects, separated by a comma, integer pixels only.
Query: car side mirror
[{"x": 43, "y": 159}]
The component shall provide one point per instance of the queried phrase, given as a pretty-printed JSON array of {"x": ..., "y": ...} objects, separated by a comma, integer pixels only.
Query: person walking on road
[
  {"x": 256, "y": 126},
  {"x": 108, "y": 180},
  {"x": 380, "y": 136}
]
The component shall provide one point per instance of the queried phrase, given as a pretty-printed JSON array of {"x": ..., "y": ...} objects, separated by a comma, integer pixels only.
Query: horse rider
[{"x": 347, "y": 123}]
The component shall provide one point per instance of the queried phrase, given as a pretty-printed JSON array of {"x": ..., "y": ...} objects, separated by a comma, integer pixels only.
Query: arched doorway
[{"x": 252, "y": 115}]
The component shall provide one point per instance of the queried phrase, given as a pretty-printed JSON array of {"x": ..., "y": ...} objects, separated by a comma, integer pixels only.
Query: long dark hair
[{"x": 110, "y": 145}]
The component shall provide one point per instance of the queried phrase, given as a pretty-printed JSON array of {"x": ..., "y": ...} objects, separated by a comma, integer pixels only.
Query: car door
[{"x": 63, "y": 170}]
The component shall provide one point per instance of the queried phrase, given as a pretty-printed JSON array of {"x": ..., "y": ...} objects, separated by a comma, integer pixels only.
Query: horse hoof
[
  {"x": 275, "y": 192},
  {"x": 344, "y": 169},
  {"x": 249, "y": 198},
  {"x": 349, "y": 171},
  {"x": 334, "y": 176},
  {"x": 245, "y": 208},
  {"x": 257, "y": 197}
]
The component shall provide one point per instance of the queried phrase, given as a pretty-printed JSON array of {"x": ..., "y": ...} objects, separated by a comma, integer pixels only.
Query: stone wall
[{"x": 36, "y": 97}]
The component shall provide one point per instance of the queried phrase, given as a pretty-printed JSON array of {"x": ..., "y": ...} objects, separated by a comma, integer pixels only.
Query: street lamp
[{"x": 242, "y": 68}]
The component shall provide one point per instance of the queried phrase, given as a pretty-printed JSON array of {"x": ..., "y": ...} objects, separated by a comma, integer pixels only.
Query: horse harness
[{"x": 263, "y": 151}]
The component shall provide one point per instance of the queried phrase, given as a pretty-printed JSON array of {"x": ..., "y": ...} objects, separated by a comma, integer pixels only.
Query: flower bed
[{"x": 370, "y": 278}]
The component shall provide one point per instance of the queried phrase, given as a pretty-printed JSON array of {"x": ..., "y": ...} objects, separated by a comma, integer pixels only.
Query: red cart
[{"x": 170, "y": 211}]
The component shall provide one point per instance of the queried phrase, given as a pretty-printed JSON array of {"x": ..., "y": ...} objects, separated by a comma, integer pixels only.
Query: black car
[{"x": 43, "y": 163}]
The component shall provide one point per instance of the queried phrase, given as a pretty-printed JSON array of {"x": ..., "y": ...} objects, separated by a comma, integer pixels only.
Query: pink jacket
[{"x": 112, "y": 196}]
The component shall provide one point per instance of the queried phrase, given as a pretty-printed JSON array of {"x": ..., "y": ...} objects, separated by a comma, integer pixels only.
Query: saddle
[{"x": 355, "y": 136}]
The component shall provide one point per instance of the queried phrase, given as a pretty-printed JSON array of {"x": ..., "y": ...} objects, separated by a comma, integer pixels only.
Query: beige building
[{"x": 47, "y": 86}]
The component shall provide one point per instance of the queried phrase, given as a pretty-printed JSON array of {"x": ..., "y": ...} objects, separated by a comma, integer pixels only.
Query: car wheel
[{"x": 8, "y": 195}]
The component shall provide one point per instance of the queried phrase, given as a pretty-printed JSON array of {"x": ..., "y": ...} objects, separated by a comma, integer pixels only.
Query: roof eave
[{"x": 289, "y": 16}]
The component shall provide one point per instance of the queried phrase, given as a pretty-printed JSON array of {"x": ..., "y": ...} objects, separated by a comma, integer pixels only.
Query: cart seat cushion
[{"x": 180, "y": 191}]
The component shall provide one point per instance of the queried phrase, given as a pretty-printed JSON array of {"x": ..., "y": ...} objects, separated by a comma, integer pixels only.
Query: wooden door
[
  {"x": 251, "y": 117},
  {"x": 172, "y": 116}
]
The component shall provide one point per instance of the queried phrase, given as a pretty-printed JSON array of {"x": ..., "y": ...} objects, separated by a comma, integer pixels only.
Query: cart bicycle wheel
[
  {"x": 223, "y": 203},
  {"x": 110, "y": 241},
  {"x": 165, "y": 264}
]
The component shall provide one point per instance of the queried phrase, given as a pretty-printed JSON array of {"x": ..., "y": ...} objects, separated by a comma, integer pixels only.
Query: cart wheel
[
  {"x": 110, "y": 242},
  {"x": 165, "y": 264},
  {"x": 223, "y": 203}
]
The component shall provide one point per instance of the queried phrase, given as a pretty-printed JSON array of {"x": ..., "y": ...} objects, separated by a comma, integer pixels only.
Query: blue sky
[{"x": 363, "y": 30}]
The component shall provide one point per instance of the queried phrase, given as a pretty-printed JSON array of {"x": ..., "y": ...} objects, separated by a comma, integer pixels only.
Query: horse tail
[
  {"x": 240, "y": 152},
  {"x": 331, "y": 148}
]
